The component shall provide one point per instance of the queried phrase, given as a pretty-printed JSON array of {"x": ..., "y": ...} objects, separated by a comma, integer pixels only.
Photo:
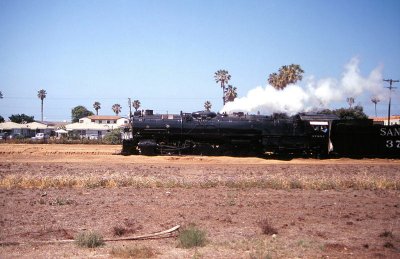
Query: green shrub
[
  {"x": 113, "y": 137},
  {"x": 192, "y": 237},
  {"x": 89, "y": 239}
]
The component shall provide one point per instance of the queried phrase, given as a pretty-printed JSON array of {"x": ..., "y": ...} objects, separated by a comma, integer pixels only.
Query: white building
[
  {"x": 25, "y": 129},
  {"x": 13, "y": 128},
  {"x": 96, "y": 126}
]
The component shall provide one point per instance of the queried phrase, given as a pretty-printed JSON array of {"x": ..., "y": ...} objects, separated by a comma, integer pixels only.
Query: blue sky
[{"x": 165, "y": 52}]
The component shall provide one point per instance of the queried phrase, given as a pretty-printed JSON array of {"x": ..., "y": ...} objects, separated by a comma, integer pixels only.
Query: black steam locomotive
[{"x": 208, "y": 133}]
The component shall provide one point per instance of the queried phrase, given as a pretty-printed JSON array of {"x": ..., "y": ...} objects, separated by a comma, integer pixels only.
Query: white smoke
[{"x": 315, "y": 95}]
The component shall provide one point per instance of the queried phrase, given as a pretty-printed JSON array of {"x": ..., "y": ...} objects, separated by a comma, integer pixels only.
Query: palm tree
[
  {"x": 207, "y": 106},
  {"x": 116, "y": 108},
  {"x": 375, "y": 100},
  {"x": 273, "y": 80},
  {"x": 287, "y": 75},
  {"x": 97, "y": 107},
  {"x": 293, "y": 73},
  {"x": 230, "y": 94},
  {"x": 136, "y": 104},
  {"x": 41, "y": 95},
  {"x": 222, "y": 77},
  {"x": 350, "y": 101}
]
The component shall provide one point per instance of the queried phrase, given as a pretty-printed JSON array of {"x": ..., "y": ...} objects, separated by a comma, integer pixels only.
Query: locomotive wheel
[
  {"x": 148, "y": 151},
  {"x": 203, "y": 150},
  {"x": 225, "y": 150},
  {"x": 129, "y": 147}
]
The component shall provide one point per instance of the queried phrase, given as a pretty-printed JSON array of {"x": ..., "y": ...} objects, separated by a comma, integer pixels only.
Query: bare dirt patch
[{"x": 318, "y": 208}]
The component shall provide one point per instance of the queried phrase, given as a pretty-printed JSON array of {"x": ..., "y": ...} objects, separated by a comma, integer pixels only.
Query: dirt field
[{"x": 336, "y": 208}]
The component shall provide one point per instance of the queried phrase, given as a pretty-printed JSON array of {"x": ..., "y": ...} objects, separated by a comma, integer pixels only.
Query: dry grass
[
  {"x": 133, "y": 252},
  {"x": 15, "y": 181},
  {"x": 280, "y": 182}
]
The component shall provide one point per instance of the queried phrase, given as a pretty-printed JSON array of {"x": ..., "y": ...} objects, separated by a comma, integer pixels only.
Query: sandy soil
[{"x": 336, "y": 208}]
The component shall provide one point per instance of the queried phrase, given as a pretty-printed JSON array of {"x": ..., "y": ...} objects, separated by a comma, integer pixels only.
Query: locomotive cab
[{"x": 320, "y": 137}]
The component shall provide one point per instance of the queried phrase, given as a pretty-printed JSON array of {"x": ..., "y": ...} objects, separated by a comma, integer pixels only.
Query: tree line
[{"x": 80, "y": 111}]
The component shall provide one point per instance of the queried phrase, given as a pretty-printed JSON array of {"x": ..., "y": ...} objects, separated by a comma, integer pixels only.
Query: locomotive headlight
[{"x": 167, "y": 126}]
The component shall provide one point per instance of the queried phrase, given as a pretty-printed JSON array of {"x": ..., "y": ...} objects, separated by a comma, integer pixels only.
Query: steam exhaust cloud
[{"x": 314, "y": 95}]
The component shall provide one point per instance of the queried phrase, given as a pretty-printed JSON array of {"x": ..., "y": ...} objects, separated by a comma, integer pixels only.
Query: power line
[
  {"x": 391, "y": 81},
  {"x": 111, "y": 98}
]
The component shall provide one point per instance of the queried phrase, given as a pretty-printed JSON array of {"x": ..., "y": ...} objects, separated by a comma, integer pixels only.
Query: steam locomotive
[{"x": 239, "y": 134}]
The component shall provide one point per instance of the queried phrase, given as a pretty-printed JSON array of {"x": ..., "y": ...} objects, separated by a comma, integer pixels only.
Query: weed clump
[
  {"x": 61, "y": 201},
  {"x": 266, "y": 227},
  {"x": 119, "y": 231},
  {"x": 130, "y": 226},
  {"x": 192, "y": 237},
  {"x": 386, "y": 233},
  {"x": 89, "y": 239},
  {"x": 388, "y": 245}
]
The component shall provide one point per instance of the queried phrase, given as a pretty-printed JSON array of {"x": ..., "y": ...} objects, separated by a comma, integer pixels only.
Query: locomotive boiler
[{"x": 208, "y": 133}]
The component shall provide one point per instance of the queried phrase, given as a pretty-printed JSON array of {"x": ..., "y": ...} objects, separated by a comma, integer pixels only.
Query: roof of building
[
  {"x": 37, "y": 125},
  {"x": 9, "y": 125},
  {"x": 55, "y": 123}
]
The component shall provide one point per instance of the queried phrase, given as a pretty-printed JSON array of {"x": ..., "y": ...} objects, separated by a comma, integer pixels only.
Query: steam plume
[{"x": 315, "y": 95}]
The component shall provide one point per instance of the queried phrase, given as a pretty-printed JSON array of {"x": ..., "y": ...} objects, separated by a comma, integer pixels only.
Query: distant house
[
  {"x": 96, "y": 126},
  {"x": 91, "y": 127},
  {"x": 25, "y": 129},
  {"x": 12, "y": 128},
  {"x": 36, "y": 127}
]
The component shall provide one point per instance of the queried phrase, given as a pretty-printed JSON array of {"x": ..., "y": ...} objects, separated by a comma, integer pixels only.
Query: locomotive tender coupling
[{"x": 208, "y": 133}]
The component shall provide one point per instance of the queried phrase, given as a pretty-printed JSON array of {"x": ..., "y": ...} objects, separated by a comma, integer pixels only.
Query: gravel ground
[{"x": 339, "y": 208}]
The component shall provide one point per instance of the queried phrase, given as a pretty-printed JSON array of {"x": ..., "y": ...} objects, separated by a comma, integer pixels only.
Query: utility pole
[
  {"x": 391, "y": 81},
  {"x": 130, "y": 108}
]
